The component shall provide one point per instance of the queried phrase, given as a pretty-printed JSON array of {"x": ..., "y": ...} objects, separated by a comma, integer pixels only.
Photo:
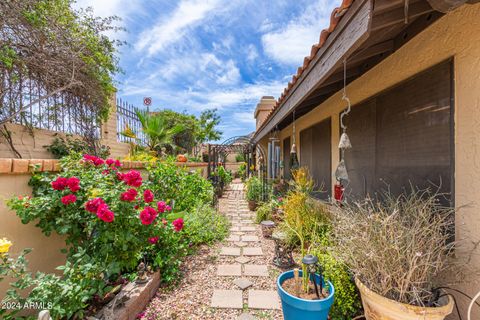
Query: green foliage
[
  {"x": 254, "y": 189},
  {"x": 207, "y": 123},
  {"x": 184, "y": 140},
  {"x": 171, "y": 182},
  {"x": 264, "y": 212},
  {"x": 239, "y": 157},
  {"x": 224, "y": 175},
  {"x": 242, "y": 171},
  {"x": 204, "y": 225},
  {"x": 158, "y": 133},
  {"x": 62, "y": 147}
]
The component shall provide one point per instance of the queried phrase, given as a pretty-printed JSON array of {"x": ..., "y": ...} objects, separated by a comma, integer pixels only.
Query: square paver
[
  {"x": 229, "y": 270},
  {"x": 248, "y": 221},
  {"x": 233, "y": 238},
  {"x": 241, "y": 244},
  {"x": 250, "y": 238},
  {"x": 263, "y": 299},
  {"x": 242, "y": 259},
  {"x": 238, "y": 233},
  {"x": 254, "y": 270},
  {"x": 230, "y": 251},
  {"x": 252, "y": 251},
  {"x": 242, "y": 283},
  {"x": 246, "y": 316},
  {"x": 236, "y": 229},
  {"x": 228, "y": 299},
  {"x": 246, "y": 229}
]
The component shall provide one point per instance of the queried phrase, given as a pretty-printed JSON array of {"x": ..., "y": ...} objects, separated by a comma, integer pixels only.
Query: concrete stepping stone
[
  {"x": 247, "y": 221},
  {"x": 238, "y": 233},
  {"x": 250, "y": 238},
  {"x": 241, "y": 244},
  {"x": 242, "y": 283},
  {"x": 227, "y": 299},
  {"x": 242, "y": 259},
  {"x": 255, "y": 270},
  {"x": 227, "y": 270},
  {"x": 246, "y": 316},
  {"x": 233, "y": 238},
  {"x": 230, "y": 251},
  {"x": 236, "y": 229},
  {"x": 263, "y": 299},
  {"x": 252, "y": 251},
  {"x": 246, "y": 229}
]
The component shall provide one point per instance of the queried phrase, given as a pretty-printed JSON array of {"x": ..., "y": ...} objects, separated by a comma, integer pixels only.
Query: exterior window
[
  {"x": 402, "y": 138},
  {"x": 316, "y": 155}
]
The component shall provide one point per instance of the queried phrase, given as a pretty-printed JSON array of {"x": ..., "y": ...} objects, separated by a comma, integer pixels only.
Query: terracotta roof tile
[{"x": 335, "y": 17}]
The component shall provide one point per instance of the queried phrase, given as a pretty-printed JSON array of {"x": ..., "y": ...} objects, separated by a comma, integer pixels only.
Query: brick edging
[{"x": 22, "y": 166}]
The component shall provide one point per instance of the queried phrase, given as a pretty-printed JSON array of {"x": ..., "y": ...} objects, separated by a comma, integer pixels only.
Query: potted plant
[
  {"x": 254, "y": 192},
  {"x": 396, "y": 247},
  {"x": 304, "y": 293},
  {"x": 304, "y": 218}
]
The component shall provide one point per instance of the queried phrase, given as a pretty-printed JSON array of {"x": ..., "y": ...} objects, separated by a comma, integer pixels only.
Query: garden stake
[{"x": 297, "y": 282}]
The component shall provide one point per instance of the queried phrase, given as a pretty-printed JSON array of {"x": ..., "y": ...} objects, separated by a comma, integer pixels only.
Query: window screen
[
  {"x": 403, "y": 137},
  {"x": 286, "y": 159},
  {"x": 315, "y": 154}
]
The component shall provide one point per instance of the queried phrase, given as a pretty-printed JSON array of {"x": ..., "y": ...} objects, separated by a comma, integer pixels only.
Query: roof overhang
[{"x": 368, "y": 32}]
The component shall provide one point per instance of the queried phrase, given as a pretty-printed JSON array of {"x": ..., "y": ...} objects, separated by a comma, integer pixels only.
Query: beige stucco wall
[{"x": 457, "y": 36}]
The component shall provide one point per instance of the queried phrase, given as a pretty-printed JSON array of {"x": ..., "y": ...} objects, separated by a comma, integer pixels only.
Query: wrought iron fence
[
  {"x": 129, "y": 128},
  {"x": 61, "y": 112}
]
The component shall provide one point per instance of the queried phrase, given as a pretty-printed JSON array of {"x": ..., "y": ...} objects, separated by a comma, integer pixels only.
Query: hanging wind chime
[
  {"x": 341, "y": 174},
  {"x": 294, "y": 165}
]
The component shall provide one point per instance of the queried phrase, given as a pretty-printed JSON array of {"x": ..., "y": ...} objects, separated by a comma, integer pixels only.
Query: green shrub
[
  {"x": 239, "y": 157},
  {"x": 347, "y": 300},
  {"x": 204, "y": 225},
  {"x": 242, "y": 171},
  {"x": 264, "y": 212},
  {"x": 187, "y": 189},
  {"x": 224, "y": 175},
  {"x": 62, "y": 147},
  {"x": 254, "y": 189}
]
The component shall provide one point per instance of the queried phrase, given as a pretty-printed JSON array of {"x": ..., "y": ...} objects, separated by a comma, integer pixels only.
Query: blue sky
[{"x": 192, "y": 55}]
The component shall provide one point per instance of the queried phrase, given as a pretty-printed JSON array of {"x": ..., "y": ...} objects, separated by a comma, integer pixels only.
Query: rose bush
[{"x": 97, "y": 208}]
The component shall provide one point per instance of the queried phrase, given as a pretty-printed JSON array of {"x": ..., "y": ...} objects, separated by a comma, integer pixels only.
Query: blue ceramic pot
[{"x": 300, "y": 309}]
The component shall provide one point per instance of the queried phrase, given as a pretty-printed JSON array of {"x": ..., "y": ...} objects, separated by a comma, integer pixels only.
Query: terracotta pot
[
  {"x": 377, "y": 307},
  {"x": 181, "y": 158},
  {"x": 252, "y": 205}
]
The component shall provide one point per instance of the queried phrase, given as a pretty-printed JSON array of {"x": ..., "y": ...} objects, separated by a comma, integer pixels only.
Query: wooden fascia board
[{"x": 352, "y": 31}]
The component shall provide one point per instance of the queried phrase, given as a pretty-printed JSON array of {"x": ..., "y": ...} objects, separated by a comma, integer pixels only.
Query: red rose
[
  {"x": 109, "y": 162},
  {"x": 153, "y": 240},
  {"x": 73, "y": 184},
  {"x": 147, "y": 215},
  {"x": 119, "y": 176},
  {"x": 161, "y": 205},
  {"x": 148, "y": 196},
  {"x": 178, "y": 224},
  {"x": 132, "y": 178},
  {"x": 118, "y": 164},
  {"x": 93, "y": 160},
  {"x": 105, "y": 214},
  {"x": 69, "y": 198},
  {"x": 92, "y": 205},
  {"x": 129, "y": 195},
  {"x": 60, "y": 183}
]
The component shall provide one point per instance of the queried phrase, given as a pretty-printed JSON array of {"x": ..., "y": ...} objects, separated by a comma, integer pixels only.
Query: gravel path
[{"x": 192, "y": 298}]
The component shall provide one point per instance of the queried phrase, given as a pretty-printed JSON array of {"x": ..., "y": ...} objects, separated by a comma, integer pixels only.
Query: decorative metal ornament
[
  {"x": 344, "y": 142},
  {"x": 283, "y": 252}
]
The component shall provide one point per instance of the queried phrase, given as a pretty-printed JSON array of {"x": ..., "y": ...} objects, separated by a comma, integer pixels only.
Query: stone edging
[{"x": 22, "y": 166}]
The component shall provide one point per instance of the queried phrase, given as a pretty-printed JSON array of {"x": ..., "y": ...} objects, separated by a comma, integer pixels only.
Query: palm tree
[{"x": 154, "y": 125}]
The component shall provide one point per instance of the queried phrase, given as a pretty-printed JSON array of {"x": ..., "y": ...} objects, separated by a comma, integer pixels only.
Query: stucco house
[{"x": 411, "y": 70}]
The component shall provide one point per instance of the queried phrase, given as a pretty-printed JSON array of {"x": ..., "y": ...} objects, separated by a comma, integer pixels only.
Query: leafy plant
[
  {"x": 186, "y": 189},
  {"x": 264, "y": 212},
  {"x": 239, "y": 157},
  {"x": 396, "y": 246},
  {"x": 224, "y": 175},
  {"x": 158, "y": 133},
  {"x": 254, "y": 189},
  {"x": 242, "y": 171},
  {"x": 204, "y": 225},
  {"x": 62, "y": 147}
]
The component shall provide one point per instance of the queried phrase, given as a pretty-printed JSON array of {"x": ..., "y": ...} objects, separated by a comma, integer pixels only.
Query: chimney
[{"x": 264, "y": 107}]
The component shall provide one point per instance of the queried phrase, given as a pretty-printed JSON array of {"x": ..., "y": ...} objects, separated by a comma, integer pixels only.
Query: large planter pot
[
  {"x": 252, "y": 205},
  {"x": 296, "y": 308},
  {"x": 378, "y": 307}
]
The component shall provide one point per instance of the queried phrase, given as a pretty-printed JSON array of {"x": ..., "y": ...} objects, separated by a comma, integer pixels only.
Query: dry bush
[{"x": 396, "y": 246}]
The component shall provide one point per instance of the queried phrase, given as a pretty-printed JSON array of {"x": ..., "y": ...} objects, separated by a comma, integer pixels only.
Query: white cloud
[
  {"x": 252, "y": 53},
  {"x": 168, "y": 31},
  {"x": 291, "y": 43},
  {"x": 244, "y": 117}
]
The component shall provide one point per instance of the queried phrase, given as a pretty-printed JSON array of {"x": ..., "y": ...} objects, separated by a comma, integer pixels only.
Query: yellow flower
[
  {"x": 94, "y": 193},
  {"x": 4, "y": 245}
]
